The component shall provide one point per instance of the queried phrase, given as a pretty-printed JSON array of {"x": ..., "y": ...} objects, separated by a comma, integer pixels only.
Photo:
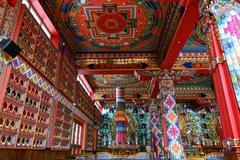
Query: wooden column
[
  {"x": 165, "y": 139},
  {"x": 4, "y": 76},
  {"x": 95, "y": 134},
  {"x": 168, "y": 96},
  {"x": 227, "y": 102}
]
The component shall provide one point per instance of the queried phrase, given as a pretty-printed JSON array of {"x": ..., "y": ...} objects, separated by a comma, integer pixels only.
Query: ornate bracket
[
  {"x": 218, "y": 60},
  {"x": 166, "y": 85}
]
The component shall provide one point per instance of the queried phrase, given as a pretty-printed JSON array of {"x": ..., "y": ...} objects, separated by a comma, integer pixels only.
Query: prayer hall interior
[{"x": 119, "y": 79}]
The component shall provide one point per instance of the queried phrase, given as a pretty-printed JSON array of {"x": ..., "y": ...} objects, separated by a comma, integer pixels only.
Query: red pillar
[
  {"x": 227, "y": 103},
  {"x": 4, "y": 76},
  {"x": 168, "y": 96},
  {"x": 165, "y": 138},
  {"x": 95, "y": 133},
  {"x": 19, "y": 23},
  {"x": 84, "y": 132}
]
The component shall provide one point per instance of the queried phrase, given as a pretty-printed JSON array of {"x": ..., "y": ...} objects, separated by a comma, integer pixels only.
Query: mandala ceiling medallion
[{"x": 113, "y": 24}]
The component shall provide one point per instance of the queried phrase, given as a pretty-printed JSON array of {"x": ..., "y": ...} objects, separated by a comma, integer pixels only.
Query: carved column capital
[{"x": 166, "y": 85}]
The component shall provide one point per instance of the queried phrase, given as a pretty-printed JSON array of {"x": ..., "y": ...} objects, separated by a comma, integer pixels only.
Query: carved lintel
[{"x": 231, "y": 143}]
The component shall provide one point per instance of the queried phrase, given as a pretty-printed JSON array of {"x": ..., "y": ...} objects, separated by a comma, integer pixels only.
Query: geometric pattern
[
  {"x": 156, "y": 128},
  {"x": 173, "y": 132},
  {"x": 32, "y": 75},
  {"x": 228, "y": 21},
  {"x": 111, "y": 21},
  {"x": 111, "y": 24}
]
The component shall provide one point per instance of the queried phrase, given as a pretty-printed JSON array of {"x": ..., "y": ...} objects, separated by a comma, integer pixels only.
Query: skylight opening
[
  {"x": 44, "y": 28},
  {"x": 83, "y": 85},
  {"x": 35, "y": 15},
  {"x": 96, "y": 105},
  {"x": 26, "y": 3}
]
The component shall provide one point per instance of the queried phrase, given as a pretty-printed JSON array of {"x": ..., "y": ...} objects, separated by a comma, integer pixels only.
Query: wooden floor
[{"x": 10, "y": 154}]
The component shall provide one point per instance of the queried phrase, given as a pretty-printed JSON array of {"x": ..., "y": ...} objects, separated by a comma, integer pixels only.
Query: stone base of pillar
[{"x": 232, "y": 155}]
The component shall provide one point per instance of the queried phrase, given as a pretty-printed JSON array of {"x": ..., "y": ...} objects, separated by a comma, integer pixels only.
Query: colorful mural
[
  {"x": 198, "y": 127},
  {"x": 156, "y": 127},
  {"x": 112, "y": 24},
  {"x": 194, "y": 45},
  {"x": 196, "y": 41},
  {"x": 105, "y": 85},
  {"x": 182, "y": 76}
]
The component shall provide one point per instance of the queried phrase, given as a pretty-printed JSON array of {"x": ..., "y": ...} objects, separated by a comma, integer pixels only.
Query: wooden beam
[
  {"x": 132, "y": 71},
  {"x": 105, "y": 71},
  {"x": 154, "y": 88},
  {"x": 185, "y": 28},
  {"x": 178, "y": 97}
]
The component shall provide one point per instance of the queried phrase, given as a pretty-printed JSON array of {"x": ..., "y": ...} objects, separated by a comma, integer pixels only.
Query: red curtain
[{"x": 12, "y": 2}]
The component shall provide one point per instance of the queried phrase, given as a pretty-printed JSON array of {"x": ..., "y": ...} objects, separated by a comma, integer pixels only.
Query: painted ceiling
[
  {"x": 115, "y": 80},
  {"x": 115, "y": 24},
  {"x": 123, "y": 37},
  {"x": 182, "y": 77},
  {"x": 109, "y": 25},
  {"x": 194, "y": 45},
  {"x": 111, "y": 28},
  {"x": 105, "y": 84},
  {"x": 196, "y": 42}
]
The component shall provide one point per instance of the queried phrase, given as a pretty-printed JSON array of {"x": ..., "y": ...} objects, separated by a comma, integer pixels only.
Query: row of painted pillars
[
  {"x": 224, "y": 54},
  {"x": 171, "y": 128}
]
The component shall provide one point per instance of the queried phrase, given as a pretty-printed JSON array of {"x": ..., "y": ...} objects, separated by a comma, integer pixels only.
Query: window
[
  {"x": 76, "y": 133},
  {"x": 35, "y": 15},
  {"x": 96, "y": 104},
  {"x": 37, "y": 18},
  {"x": 44, "y": 28},
  {"x": 27, "y": 4},
  {"x": 83, "y": 85}
]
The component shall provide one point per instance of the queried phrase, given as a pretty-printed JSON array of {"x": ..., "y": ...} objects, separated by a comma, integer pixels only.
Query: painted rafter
[
  {"x": 133, "y": 71},
  {"x": 185, "y": 28},
  {"x": 198, "y": 61}
]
